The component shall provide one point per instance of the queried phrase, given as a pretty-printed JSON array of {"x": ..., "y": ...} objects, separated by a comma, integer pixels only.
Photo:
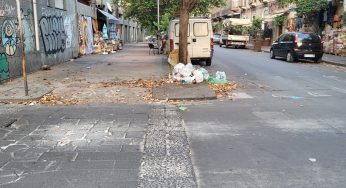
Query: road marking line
[
  {"x": 318, "y": 95},
  {"x": 241, "y": 96},
  {"x": 339, "y": 90}
]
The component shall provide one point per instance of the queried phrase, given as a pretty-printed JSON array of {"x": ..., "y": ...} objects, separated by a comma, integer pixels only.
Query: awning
[
  {"x": 111, "y": 18},
  {"x": 237, "y": 21}
]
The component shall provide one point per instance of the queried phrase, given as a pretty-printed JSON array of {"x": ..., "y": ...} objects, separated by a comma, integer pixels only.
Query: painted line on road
[
  {"x": 241, "y": 96},
  {"x": 339, "y": 90},
  {"x": 318, "y": 95}
]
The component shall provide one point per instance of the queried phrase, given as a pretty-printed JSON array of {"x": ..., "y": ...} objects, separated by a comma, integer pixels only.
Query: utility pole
[
  {"x": 23, "y": 48},
  {"x": 158, "y": 15}
]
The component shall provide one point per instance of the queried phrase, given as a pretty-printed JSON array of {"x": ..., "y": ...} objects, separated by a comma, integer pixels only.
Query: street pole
[
  {"x": 158, "y": 15},
  {"x": 23, "y": 50}
]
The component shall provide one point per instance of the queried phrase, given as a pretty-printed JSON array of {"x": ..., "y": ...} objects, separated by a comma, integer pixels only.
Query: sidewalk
[
  {"x": 327, "y": 58},
  {"x": 130, "y": 76},
  {"x": 91, "y": 77}
]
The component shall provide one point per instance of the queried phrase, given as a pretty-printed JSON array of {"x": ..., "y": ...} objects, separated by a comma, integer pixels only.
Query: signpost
[{"x": 22, "y": 47}]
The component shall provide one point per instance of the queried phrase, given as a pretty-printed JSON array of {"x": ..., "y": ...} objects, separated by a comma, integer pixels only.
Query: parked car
[
  {"x": 216, "y": 38},
  {"x": 296, "y": 45},
  {"x": 200, "y": 39}
]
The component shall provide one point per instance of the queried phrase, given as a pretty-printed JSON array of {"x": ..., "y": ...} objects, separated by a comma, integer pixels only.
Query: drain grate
[{"x": 7, "y": 123}]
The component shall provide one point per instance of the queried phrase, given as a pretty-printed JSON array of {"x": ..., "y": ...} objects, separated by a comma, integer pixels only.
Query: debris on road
[
  {"x": 182, "y": 108},
  {"x": 296, "y": 97},
  {"x": 312, "y": 160},
  {"x": 222, "y": 90}
]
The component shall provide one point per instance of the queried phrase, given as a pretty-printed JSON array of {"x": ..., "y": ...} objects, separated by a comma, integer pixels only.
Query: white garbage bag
[
  {"x": 178, "y": 67},
  {"x": 204, "y": 72},
  {"x": 198, "y": 75},
  {"x": 188, "y": 79},
  {"x": 221, "y": 76}
]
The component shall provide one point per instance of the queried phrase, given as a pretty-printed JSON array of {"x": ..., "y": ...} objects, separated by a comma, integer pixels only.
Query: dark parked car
[{"x": 295, "y": 45}]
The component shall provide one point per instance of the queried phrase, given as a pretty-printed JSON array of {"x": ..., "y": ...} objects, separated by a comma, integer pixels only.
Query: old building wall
[{"x": 57, "y": 35}]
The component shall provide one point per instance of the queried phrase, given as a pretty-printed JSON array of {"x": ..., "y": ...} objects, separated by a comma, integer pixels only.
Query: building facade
[
  {"x": 330, "y": 24},
  {"x": 50, "y": 35}
]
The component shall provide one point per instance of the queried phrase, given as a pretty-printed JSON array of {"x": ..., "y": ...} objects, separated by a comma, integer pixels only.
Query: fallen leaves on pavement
[
  {"x": 222, "y": 90},
  {"x": 136, "y": 83},
  {"x": 52, "y": 99}
]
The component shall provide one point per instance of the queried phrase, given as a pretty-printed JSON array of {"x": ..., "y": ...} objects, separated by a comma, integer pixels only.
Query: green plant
[
  {"x": 279, "y": 21},
  {"x": 306, "y": 7},
  {"x": 217, "y": 27},
  {"x": 344, "y": 18},
  {"x": 257, "y": 22}
]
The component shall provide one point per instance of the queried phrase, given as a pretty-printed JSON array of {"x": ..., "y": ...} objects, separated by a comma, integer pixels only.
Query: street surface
[{"x": 285, "y": 127}]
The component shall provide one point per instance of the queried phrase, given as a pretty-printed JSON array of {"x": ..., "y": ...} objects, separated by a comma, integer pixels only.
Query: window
[
  {"x": 60, "y": 4},
  {"x": 177, "y": 30},
  {"x": 281, "y": 39},
  {"x": 308, "y": 37},
  {"x": 200, "y": 29}
]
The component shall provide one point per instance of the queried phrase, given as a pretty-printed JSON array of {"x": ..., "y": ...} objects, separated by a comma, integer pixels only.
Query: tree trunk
[
  {"x": 185, "y": 7},
  {"x": 183, "y": 34}
]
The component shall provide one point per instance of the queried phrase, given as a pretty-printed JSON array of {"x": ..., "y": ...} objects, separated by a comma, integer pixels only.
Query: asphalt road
[{"x": 285, "y": 128}]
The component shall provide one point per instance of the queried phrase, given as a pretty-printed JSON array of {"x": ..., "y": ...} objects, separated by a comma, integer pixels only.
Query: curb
[
  {"x": 333, "y": 63},
  {"x": 323, "y": 60}
]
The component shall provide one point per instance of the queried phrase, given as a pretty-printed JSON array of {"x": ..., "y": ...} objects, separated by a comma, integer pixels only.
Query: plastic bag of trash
[
  {"x": 204, "y": 72},
  {"x": 214, "y": 80},
  {"x": 188, "y": 80},
  {"x": 178, "y": 67},
  {"x": 177, "y": 77},
  {"x": 189, "y": 67},
  {"x": 221, "y": 75},
  {"x": 186, "y": 70},
  {"x": 198, "y": 75}
]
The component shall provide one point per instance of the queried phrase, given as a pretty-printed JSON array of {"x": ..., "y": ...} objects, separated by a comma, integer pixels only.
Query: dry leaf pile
[
  {"x": 52, "y": 99},
  {"x": 222, "y": 90},
  {"x": 136, "y": 83}
]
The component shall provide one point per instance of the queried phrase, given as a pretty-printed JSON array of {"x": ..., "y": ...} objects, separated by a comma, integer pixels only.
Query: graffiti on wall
[
  {"x": 53, "y": 34},
  {"x": 9, "y": 37},
  {"x": 68, "y": 29},
  {"x": 6, "y": 10},
  {"x": 4, "y": 70},
  {"x": 86, "y": 34},
  {"x": 28, "y": 30}
]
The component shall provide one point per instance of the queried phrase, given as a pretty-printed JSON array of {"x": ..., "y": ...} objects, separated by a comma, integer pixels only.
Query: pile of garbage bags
[{"x": 189, "y": 74}]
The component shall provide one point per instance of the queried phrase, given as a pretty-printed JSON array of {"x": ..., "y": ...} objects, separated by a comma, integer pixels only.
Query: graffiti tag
[
  {"x": 6, "y": 10},
  {"x": 9, "y": 37},
  {"x": 4, "y": 70},
  {"x": 53, "y": 34}
]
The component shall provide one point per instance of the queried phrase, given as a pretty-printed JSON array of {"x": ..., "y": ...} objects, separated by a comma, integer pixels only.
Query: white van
[{"x": 200, "y": 39}]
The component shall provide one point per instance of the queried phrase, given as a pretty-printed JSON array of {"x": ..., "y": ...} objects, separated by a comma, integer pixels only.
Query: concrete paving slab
[
  {"x": 16, "y": 93},
  {"x": 173, "y": 91}
]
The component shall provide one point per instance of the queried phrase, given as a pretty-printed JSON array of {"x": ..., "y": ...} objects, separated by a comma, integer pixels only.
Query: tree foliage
[
  {"x": 306, "y": 7},
  {"x": 145, "y": 11},
  {"x": 280, "y": 20}
]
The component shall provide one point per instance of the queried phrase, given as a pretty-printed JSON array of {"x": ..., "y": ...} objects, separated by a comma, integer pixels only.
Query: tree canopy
[
  {"x": 145, "y": 11},
  {"x": 306, "y": 7}
]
